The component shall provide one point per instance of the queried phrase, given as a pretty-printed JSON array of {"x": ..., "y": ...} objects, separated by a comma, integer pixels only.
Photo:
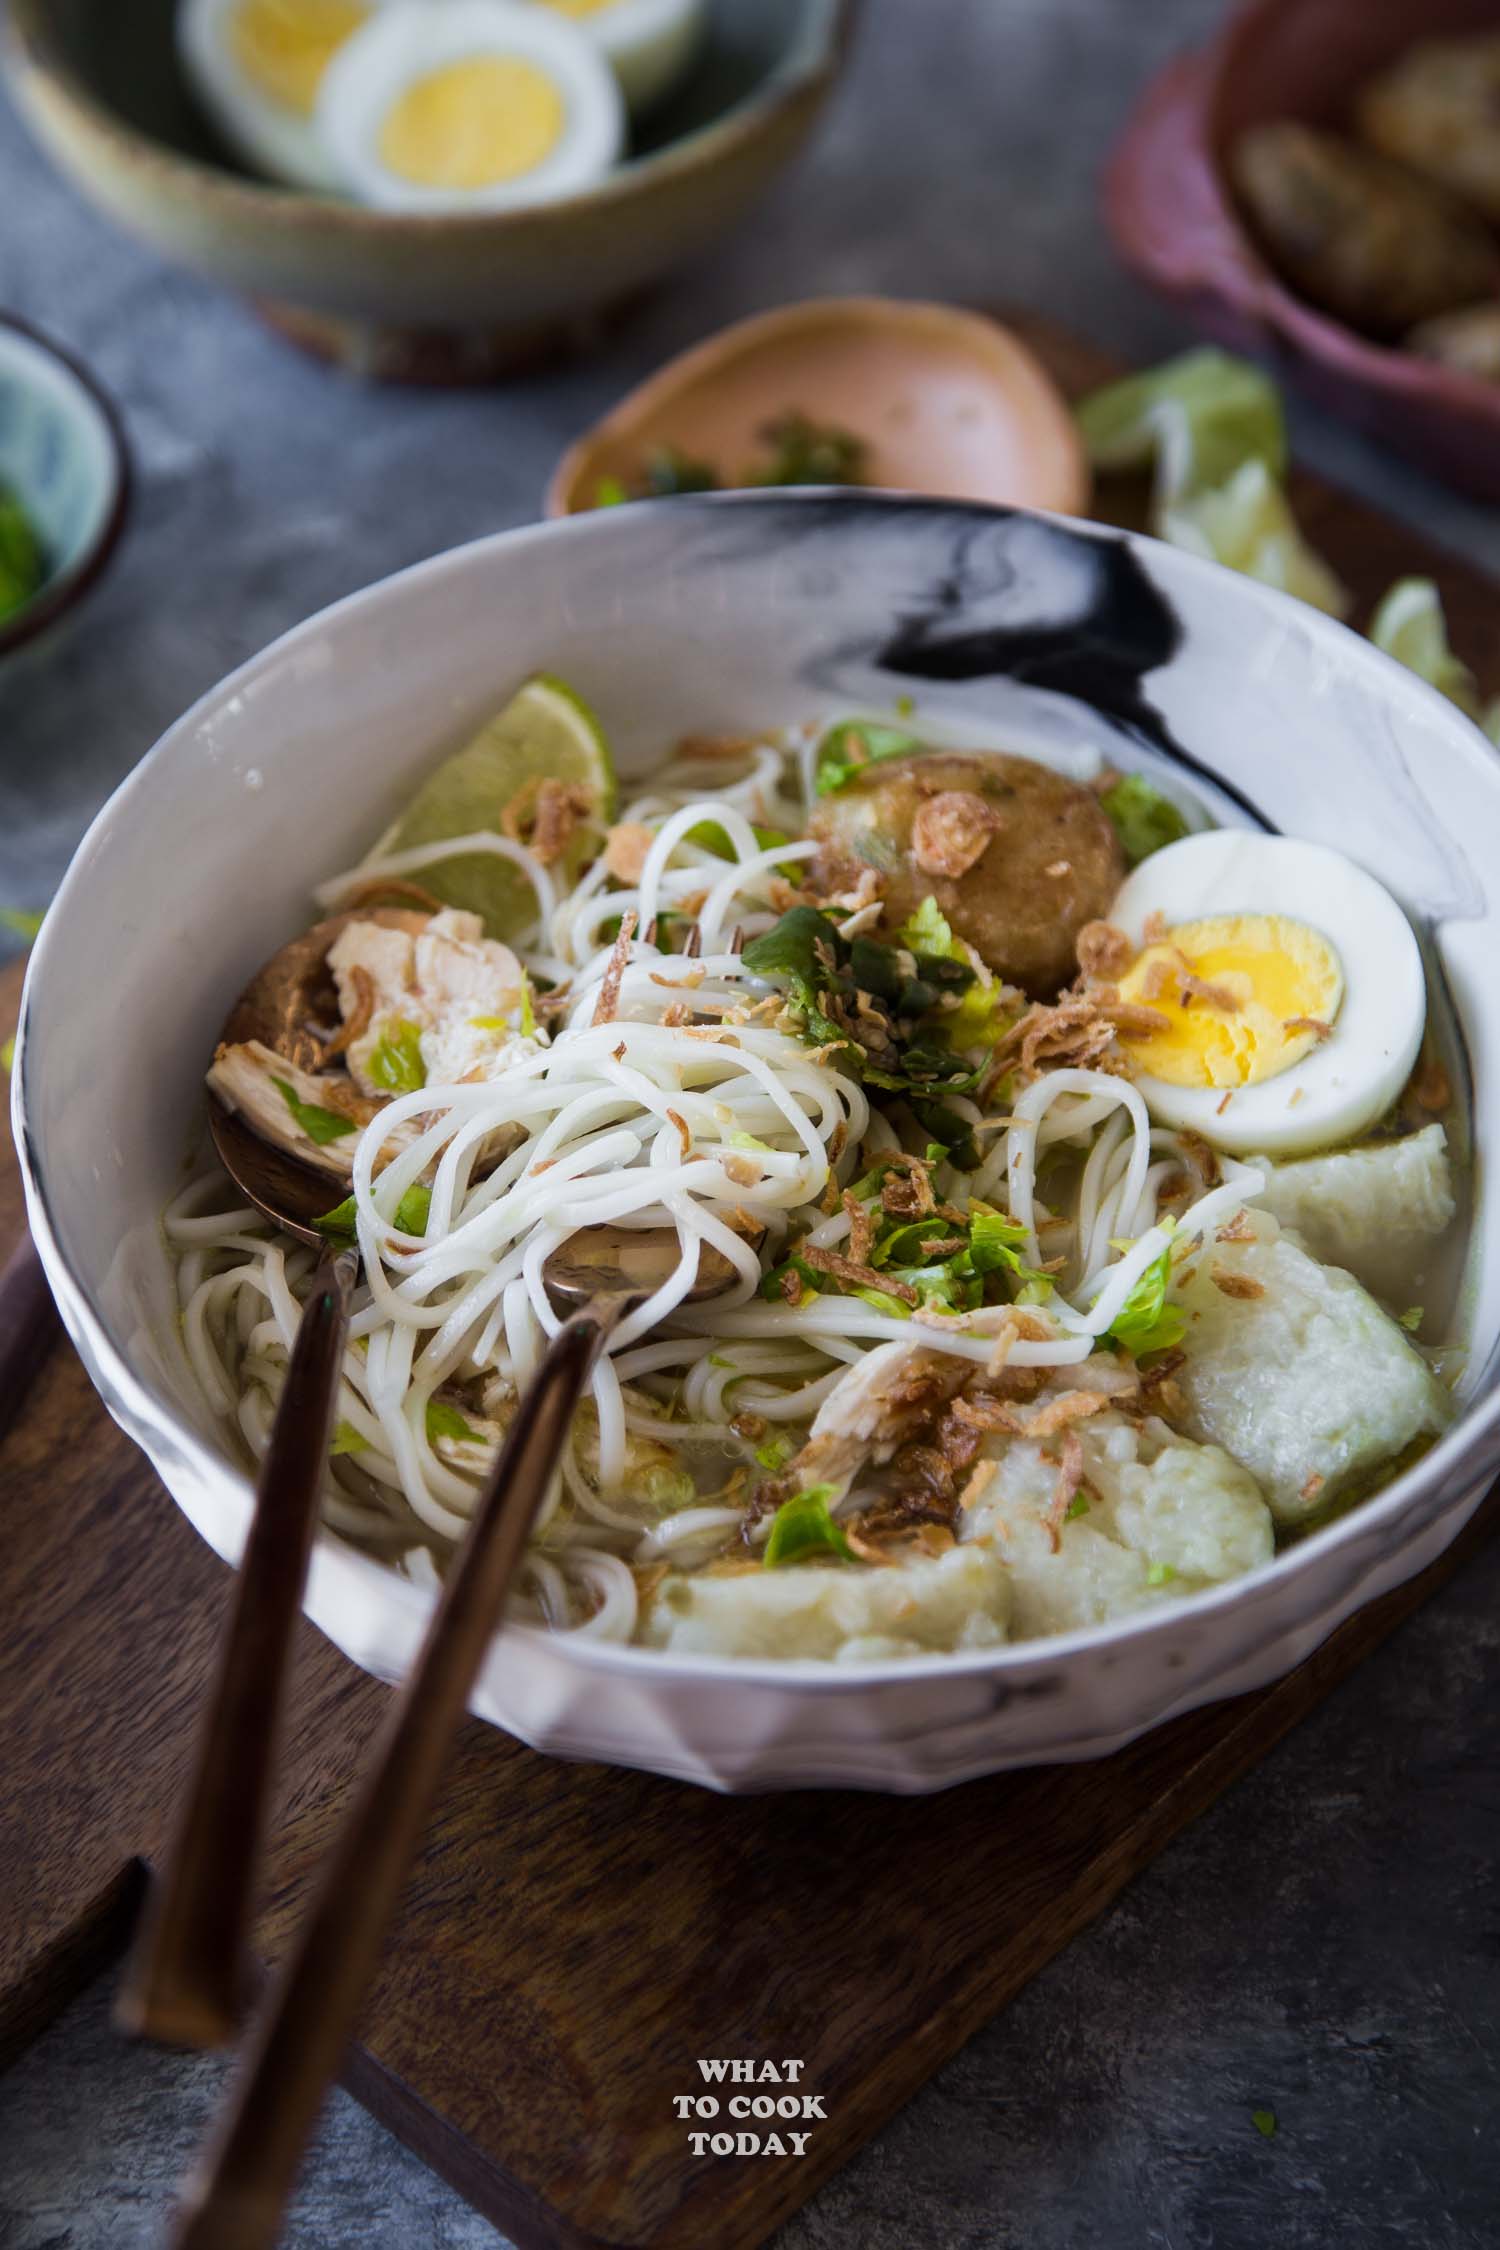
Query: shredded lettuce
[
  {"x": 1146, "y": 1322},
  {"x": 1410, "y": 625},
  {"x": 1143, "y": 819},
  {"x": 1212, "y": 429},
  {"x": 1247, "y": 524},
  {"x": 847, "y": 748},
  {"x": 996, "y": 1242},
  {"x": 395, "y": 1061},
  {"x": 411, "y": 1214},
  {"x": 1205, "y": 411},
  {"x": 320, "y": 1125},
  {"x": 802, "y": 1526}
]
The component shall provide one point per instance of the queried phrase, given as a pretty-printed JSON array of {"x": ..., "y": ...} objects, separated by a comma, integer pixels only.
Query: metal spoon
[{"x": 189, "y": 1973}]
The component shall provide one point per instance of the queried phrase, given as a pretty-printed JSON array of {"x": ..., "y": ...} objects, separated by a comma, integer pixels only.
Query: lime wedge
[
  {"x": 1410, "y": 626},
  {"x": 545, "y": 733}
]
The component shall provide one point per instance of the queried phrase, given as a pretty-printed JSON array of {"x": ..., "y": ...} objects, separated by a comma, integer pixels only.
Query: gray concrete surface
[{"x": 1326, "y": 1943}]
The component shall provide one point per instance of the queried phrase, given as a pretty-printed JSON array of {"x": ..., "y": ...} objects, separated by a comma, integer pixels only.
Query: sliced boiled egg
[
  {"x": 1281, "y": 987},
  {"x": 648, "y": 43},
  {"x": 257, "y": 67},
  {"x": 452, "y": 105}
]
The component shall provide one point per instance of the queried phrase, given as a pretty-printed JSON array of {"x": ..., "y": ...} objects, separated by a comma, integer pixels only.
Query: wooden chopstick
[
  {"x": 235, "y": 2199},
  {"x": 189, "y": 1974}
]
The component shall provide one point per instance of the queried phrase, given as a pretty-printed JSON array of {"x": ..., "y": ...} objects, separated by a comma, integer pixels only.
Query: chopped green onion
[
  {"x": 777, "y": 1450},
  {"x": 1264, "y": 2121},
  {"x": 846, "y": 749},
  {"x": 445, "y": 1421},
  {"x": 1160, "y": 1574},
  {"x": 347, "y": 1439},
  {"x": 395, "y": 1061},
  {"x": 411, "y": 1214},
  {"x": 320, "y": 1125},
  {"x": 23, "y": 566},
  {"x": 802, "y": 1526},
  {"x": 22, "y": 919}
]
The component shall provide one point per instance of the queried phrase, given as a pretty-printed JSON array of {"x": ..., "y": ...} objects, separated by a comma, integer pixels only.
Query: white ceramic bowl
[{"x": 741, "y": 611}]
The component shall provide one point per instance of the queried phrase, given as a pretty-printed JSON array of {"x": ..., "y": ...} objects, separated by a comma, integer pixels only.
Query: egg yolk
[
  {"x": 473, "y": 124},
  {"x": 284, "y": 46},
  {"x": 1242, "y": 998}
]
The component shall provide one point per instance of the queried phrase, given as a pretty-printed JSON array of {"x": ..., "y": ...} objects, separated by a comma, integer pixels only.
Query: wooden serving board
[{"x": 575, "y": 1939}]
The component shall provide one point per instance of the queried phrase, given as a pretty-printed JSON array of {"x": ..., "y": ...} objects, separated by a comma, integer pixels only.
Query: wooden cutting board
[{"x": 576, "y": 1939}]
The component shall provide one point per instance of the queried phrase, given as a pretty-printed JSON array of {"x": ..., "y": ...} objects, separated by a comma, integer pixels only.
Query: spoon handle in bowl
[
  {"x": 189, "y": 1979},
  {"x": 235, "y": 2199}
]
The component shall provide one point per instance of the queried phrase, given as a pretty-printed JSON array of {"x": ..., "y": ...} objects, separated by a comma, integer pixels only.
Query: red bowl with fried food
[{"x": 1272, "y": 91}]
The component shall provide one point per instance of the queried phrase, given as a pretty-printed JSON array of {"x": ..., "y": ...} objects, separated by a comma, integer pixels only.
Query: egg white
[
  {"x": 649, "y": 44},
  {"x": 1350, "y": 1079},
  {"x": 402, "y": 45},
  {"x": 275, "y": 140}
]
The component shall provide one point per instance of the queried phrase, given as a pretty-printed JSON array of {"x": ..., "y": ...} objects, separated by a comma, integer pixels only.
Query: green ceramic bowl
[{"x": 451, "y": 298}]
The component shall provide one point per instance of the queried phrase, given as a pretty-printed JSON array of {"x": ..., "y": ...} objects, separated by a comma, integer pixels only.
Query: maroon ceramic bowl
[{"x": 1173, "y": 217}]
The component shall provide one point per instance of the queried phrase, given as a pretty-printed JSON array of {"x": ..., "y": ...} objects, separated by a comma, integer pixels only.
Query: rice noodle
[{"x": 641, "y": 1122}]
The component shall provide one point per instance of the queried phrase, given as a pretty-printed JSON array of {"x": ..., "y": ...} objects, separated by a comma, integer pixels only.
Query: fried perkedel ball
[
  {"x": 1017, "y": 856},
  {"x": 1468, "y": 340},
  {"x": 1438, "y": 110},
  {"x": 1361, "y": 237}
]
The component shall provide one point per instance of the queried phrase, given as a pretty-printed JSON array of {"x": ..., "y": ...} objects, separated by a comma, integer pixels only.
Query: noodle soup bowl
[{"x": 740, "y": 612}]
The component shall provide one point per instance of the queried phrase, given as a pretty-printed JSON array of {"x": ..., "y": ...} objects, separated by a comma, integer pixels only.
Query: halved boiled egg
[
  {"x": 257, "y": 67},
  {"x": 1281, "y": 987},
  {"x": 648, "y": 43},
  {"x": 452, "y": 105}
]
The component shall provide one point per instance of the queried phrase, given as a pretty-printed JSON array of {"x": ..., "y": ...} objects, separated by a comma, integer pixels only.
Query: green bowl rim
[
  {"x": 816, "y": 52},
  {"x": 59, "y": 593}
]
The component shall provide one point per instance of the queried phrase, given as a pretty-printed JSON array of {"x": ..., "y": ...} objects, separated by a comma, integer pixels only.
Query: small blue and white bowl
[{"x": 62, "y": 453}]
